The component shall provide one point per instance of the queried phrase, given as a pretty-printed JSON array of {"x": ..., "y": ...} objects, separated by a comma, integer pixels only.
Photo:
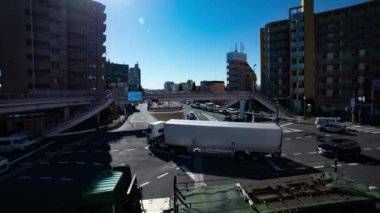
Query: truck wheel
[{"x": 240, "y": 155}]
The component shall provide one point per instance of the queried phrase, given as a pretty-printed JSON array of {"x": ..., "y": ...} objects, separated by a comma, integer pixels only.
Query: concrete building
[
  {"x": 117, "y": 75},
  {"x": 322, "y": 59},
  {"x": 241, "y": 77},
  {"x": 134, "y": 78},
  {"x": 52, "y": 45},
  {"x": 212, "y": 86},
  {"x": 184, "y": 86},
  {"x": 169, "y": 86}
]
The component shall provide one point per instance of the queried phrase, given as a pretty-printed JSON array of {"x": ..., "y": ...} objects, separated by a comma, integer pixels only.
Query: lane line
[
  {"x": 209, "y": 117},
  {"x": 297, "y": 153},
  {"x": 147, "y": 147},
  {"x": 318, "y": 167},
  {"x": 288, "y": 139},
  {"x": 338, "y": 165},
  {"x": 301, "y": 168},
  {"x": 45, "y": 178},
  {"x": 367, "y": 149},
  {"x": 284, "y": 154},
  {"x": 163, "y": 175},
  {"x": 129, "y": 150},
  {"x": 298, "y": 138},
  {"x": 30, "y": 153},
  {"x": 114, "y": 150},
  {"x": 353, "y": 164},
  {"x": 377, "y": 147},
  {"x": 286, "y": 124},
  {"x": 308, "y": 137},
  {"x": 144, "y": 184},
  {"x": 97, "y": 164},
  {"x": 312, "y": 153},
  {"x": 66, "y": 179}
]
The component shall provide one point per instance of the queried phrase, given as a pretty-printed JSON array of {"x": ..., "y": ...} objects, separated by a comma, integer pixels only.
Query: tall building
[
  {"x": 134, "y": 78},
  {"x": 322, "y": 59},
  {"x": 169, "y": 86},
  {"x": 212, "y": 86},
  {"x": 117, "y": 75},
  {"x": 240, "y": 75},
  {"x": 52, "y": 45}
]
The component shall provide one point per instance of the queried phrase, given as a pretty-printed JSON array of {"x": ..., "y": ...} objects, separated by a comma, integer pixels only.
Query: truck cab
[{"x": 155, "y": 132}]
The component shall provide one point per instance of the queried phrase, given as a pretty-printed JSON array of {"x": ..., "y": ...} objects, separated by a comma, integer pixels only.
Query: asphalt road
[{"x": 51, "y": 179}]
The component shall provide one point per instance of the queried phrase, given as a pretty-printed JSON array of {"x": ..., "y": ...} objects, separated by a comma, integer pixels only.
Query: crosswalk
[
  {"x": 288, "y": 130},
  {"x": 365, "y": 129}
]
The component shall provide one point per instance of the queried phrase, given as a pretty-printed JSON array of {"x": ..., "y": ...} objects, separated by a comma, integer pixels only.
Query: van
[
  {"x": 324, "y": 120},
  {"x": 15, "y": 143}
]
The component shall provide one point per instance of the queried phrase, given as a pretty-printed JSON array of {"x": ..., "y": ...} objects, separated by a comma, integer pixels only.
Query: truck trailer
[{"x": 239, "y": 138}]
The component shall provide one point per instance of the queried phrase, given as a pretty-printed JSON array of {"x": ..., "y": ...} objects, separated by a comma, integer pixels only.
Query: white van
[
  {"x": 15, "y": 143},
  {"x": 324, "y": 120}
]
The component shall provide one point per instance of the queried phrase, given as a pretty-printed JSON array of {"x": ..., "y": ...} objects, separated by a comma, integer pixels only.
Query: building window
[
  {"x": 92, "y": 65},
  {"x": 91, "y": 77}
]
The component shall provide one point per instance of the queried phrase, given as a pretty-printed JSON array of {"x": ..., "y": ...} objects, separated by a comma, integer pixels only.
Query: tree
[
  {"x": 180, "y": 87},
  {"x": 193, "y": 88},
  {"x": 141, "y": 89},
  {"x": 189, "y": 83}
]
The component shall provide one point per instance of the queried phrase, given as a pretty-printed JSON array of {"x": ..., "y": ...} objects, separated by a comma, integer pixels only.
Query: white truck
[{"x": 238, "y": 138}]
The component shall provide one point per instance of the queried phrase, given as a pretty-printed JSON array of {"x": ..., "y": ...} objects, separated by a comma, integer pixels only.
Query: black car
[{"x": 339, "y": 147}]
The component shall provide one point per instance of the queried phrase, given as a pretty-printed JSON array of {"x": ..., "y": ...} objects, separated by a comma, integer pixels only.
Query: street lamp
[{"x": 304, "y": 107}]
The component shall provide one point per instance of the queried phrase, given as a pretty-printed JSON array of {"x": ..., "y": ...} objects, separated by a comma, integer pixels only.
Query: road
[{"x": 59, "y": 172}]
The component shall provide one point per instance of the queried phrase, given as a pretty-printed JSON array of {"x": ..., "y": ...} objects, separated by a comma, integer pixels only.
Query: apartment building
[
  {"x": 134, "y": 78},
  {"x": 47, "y": 44},
  {"x": 240, "y": 75},
  {"x": 117, "y": 75},
  {"x": 322, "y": 59},
  {"x": 212, "y": 86}
]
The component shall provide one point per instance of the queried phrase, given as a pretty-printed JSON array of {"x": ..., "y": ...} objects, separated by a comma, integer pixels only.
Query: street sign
[
  {"x": 376, "y": 84},
  {"x": 135, "y": 96}
]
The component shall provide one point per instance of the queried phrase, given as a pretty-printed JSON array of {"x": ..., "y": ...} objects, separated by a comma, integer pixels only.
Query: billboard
[{"x": 135, "y": 96}]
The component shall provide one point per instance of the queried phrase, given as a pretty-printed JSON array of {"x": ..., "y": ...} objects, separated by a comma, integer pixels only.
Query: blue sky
[{"x": 176, "y": 40}]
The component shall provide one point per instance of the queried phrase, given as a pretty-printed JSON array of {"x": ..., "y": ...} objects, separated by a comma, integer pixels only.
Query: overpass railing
[{"x": 48, "y": 94}]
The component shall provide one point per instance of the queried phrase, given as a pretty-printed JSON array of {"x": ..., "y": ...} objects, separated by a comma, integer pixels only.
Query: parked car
[
  {"x": 332, "y": 127},
  {"x": 339, "y": 147},
  {"x": 17, "y": 143},
  {"x": 216, "y": 108},
  {"x": 191, "y": 116},
  {"x": 324, "y": 120},
  {"x": 4, "y": 164}
]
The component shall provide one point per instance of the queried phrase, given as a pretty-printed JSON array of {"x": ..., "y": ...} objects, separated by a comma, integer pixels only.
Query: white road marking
[
  {"x": 298, "y": 138},
  {"x": 283, "y": 154},
  {"x": 114, "y": 150},
  {"x": 25, "y": 163},
  {"x": 45, "y": 162},
  {"x": 285, "y": 124},
  {"x": 63, "y": 162},
  {"x": 367, "y": 149},
  {"x": 209, "y": 117},
  {"x": 123, "y": 141},
  {"x": 327, "y": 135},
  {"x": 97, "y": 164},
  {"x": 66, "y": 179},
  {"x": 163, "y": 175},
  {"x": 338, "y": 165},
  {"x": 129, "y": 150},
  {"x": 144, "y": 184},
  {"x": 288, "y": 139},
  {"x": 184, "y": 156},
  {"x": 177, "y": 168},
  {"x": 375, "y": 132},
  {"x": 24, "y": 177},
  {"x": 188, "y": 172},
  {"x": 353, "y": 164},
  {"x": 377, "y": 147},
  {"x": 297, "y": 153},
  {"x": 30, "y": 153},
  {"x": 80, "y": 162},
  {"x": 318, "y": 167},
  {"x": 308, "y": 137},
  {"x": 301, "y": 168},
  {"x": 274, "y": 166},
  {"x": 45, "y": 178},
  {"x": 312, "y": 153}
]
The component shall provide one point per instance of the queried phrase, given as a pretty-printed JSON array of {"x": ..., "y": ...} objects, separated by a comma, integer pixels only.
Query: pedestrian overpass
[{"x": 94, "y": 102}]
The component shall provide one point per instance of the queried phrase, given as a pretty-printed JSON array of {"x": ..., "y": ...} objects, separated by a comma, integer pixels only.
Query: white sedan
[
  {"x": 4, "y": 164},
  {"x": 332, "y": 127}
]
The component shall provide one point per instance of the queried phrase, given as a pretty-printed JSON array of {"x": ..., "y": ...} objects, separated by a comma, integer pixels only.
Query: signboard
[
  {"x": 135, "y": 96},
  {"x": 376, "y": 84}
]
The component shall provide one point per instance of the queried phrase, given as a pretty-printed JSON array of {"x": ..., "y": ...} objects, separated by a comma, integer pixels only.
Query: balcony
[
  {"x": 298, "y": 54},
  {"x": 43, "y": 66},
  {"x": 297, "y": 34},
  {"x": 77, "y": 67},
  {"x": 297, "y": 15},
  {"x": 103, "y": 38},
  {"x": 298, "y": 78},
  {"x": 78, "y": 55},
  {"x": 42, "y": 37},
  {"x": 77, "y": 42},
  {"x": 76, "y": 17},
  {"x": 298, "y": 66},
  {"x": 297, "y": 25},
  {"x": 77, "y": 29},
  {"x": 42, "y": 51},
  {"x": 297, "y": 44}
]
